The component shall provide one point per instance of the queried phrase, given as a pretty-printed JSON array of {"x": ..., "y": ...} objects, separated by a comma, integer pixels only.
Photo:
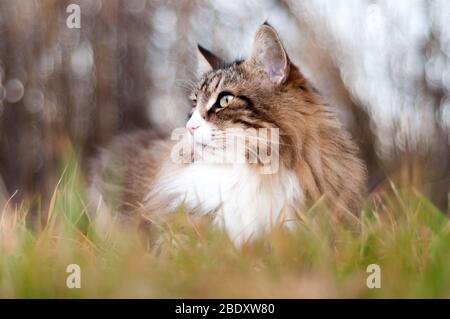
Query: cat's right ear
[
  {"x": 207, "y": 61},
  {"x": 269, "y": 55}
]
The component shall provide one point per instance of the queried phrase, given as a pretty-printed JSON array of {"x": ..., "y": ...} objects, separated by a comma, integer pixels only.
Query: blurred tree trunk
[{"x": 64, "y": 88}]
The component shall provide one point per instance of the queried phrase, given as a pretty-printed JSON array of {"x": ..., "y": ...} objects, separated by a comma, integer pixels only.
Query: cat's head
[{"x": 238, "y": 95}]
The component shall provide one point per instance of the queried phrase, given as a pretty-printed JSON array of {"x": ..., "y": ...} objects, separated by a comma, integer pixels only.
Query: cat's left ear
[
  {"x": 207, "y": 61},
  {"x": 268, "y": 54}
]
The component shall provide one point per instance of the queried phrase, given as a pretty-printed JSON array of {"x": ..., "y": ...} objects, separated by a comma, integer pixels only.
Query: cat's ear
[
  {"x": 269, "y": 55},
  {"x": 207, "y": 61}
]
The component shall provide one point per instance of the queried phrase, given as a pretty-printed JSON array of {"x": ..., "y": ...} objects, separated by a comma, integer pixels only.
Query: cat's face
[{"x": 237, "y": 95}]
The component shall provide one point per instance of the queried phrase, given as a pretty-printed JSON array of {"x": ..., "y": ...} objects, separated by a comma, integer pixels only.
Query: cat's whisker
[
  {"x": 273, "y": 152},
  {"x": 264, "y": 140},
  {"x": 185, "y": 84},
  {"x": 251, "y": 150}
]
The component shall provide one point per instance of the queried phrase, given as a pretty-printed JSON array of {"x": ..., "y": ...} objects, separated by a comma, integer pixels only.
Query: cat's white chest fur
[{"x": 244, "y": 202}]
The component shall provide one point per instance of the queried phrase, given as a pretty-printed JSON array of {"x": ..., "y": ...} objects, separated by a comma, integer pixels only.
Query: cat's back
[{"x": 121, "y": 173}]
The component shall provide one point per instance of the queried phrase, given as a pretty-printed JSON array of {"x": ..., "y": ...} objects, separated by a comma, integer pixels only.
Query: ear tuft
[{"x": 269, "y": 55}]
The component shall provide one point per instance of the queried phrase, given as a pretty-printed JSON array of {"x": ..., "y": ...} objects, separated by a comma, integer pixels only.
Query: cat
[{"x": 267, "y": 100}]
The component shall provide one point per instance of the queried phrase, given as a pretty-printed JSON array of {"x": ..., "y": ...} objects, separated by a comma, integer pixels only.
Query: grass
[{"x": 400, "y": 231}]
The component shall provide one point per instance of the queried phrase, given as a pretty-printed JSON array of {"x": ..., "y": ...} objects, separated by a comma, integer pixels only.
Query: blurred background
[{"x": 384, "y": 65}]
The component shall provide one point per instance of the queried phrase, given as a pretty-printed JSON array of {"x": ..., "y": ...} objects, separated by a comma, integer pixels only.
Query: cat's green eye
[{"x": 225, "y": 100}]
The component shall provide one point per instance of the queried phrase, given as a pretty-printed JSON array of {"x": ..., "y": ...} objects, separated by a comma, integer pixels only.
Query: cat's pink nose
[{"x": 192, "y": 127}]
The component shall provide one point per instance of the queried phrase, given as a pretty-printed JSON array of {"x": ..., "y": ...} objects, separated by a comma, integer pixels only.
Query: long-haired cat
[{"x": 267, "y": 103}]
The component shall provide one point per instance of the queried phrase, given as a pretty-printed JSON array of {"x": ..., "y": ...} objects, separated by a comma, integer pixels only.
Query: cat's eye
[{"x": 225, "y": 100}]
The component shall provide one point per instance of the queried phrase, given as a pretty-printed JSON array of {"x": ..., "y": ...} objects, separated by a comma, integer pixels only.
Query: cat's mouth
[
  {"x": 202, "y": 141},
  {"x": 207, "y": 145}
]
